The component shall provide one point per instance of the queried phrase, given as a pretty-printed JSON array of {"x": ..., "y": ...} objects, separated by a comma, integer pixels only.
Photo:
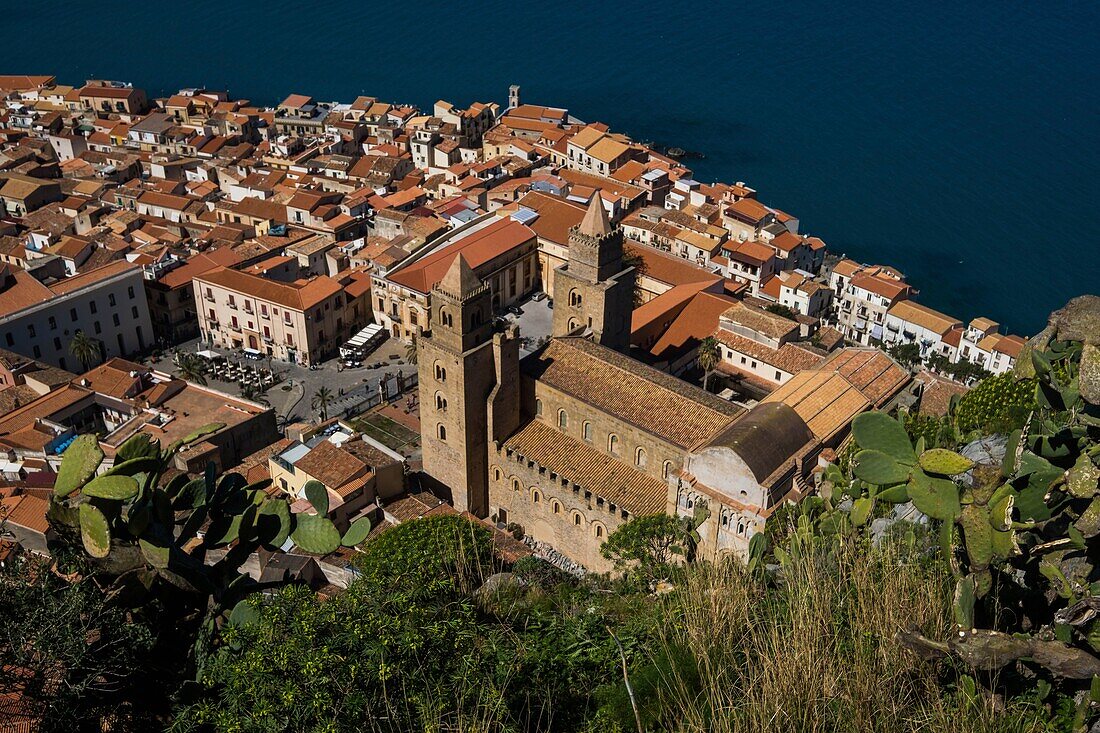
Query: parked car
[{"x": 540, "y": 296}]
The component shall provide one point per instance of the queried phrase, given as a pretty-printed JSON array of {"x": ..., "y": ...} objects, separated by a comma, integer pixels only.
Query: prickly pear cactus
[
  {"x": 1032, "y": 523},
  {"x": 315, "y": 534}
]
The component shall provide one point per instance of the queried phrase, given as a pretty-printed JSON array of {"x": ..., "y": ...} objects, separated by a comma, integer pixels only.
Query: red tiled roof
[{"x": 478, "y": 248}]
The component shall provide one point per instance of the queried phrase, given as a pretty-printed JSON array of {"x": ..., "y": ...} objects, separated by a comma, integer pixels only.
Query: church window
[
  {"x": 666, "y": 470},
  {"x": 639, "y": 458},
  {"x": 613, "y": 444},
  {"x": 496, "y": 473},
  {"x": 445, "y": 318},
  {"x": 740, "y": 528},
  {"x": 563, "y": 419},
  {"x": 572, "y": 324},
  {"x": 538, "y": 407},
  {"x": 536, "y": 496},
  {"x": 577, "y": 519},
  {"x": 440, "y": 372},
  {"x": 440, "y": 402},
  {"x": 586, "y": 431},
  {"x": 575, "y": 298},
  {"x": 555, "y": 506},
  {"x": 442, "y": 432},
  {"x": 598, "y": 530}
]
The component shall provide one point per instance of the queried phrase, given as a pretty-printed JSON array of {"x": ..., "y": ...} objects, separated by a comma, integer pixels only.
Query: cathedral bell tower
[
  {"x": 594, "y": 290},
  {"x": 455, "y": 362}
]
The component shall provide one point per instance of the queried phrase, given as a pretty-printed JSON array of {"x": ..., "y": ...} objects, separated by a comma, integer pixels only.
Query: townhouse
[
  {"x": 302, "y": 322},
  {"x": 909, "y": 322}
]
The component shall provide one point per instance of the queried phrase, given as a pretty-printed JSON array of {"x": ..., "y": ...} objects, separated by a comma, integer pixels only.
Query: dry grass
[{"x": 816, "y": 652}]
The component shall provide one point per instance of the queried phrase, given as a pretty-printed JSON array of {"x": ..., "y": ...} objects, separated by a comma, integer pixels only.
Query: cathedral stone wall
[{"x": 551, "y": 509}]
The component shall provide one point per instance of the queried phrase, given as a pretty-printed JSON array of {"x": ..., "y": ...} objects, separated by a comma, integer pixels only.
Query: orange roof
[
  {"x": 694, "y": 323},
  {"x": 478, "y": 248},
  {"x": 885, "y": 286},
  {"x": 23, "y": 291},
  {"x": 26, "y": 510},
  {"x": 90, "y": 277},
  {"x": 299, "y": 295}
]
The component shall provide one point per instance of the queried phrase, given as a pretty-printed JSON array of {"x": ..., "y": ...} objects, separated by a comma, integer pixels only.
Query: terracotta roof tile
[
  {"x": 580, "y": 463},
  {"x": 649, "y": 399}
]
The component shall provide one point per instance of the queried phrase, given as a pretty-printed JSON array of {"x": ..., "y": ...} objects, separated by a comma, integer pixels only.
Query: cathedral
[{"x": 576, "y": 438}]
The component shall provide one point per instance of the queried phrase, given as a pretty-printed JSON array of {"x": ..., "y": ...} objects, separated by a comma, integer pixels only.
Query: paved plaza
[{"x": 292, "y": 396}]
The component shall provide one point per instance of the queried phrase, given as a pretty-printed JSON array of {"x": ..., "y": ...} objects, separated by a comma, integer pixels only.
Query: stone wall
[{"x": 551, "y": 509}]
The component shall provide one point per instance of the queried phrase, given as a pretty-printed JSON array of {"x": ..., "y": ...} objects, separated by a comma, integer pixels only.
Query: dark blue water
[{"x": 956, "y": 141}]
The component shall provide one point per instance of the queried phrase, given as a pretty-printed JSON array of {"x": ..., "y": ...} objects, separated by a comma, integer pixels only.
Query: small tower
[
  {"x": 594, "y": 290},
  {"x": 456, "y": 370},
  {"x": 513, "y": 96}
]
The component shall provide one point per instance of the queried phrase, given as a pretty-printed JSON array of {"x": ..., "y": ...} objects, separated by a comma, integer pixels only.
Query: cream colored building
[{"x": 303, "y": 322}]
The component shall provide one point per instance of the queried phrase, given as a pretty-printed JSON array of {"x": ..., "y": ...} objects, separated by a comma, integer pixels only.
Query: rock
[
  {"x": 988, "y": 451},
  {"x": 663, "y": 587},
  {"x": 497, "y": 582}
]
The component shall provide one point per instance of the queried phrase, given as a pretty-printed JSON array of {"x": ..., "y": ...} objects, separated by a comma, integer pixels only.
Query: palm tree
[
  {"x": 191, "y": 367},
  {"x": 321, "y": 400},
  {"x": 410, "y": 350},
  {"x": 86, "y": 349},
  {"x": 709, "y": 357}
]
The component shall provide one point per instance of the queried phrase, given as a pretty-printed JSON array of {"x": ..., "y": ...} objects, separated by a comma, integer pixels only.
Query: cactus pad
[
  {"x": 94, "y": 531},
  {"x": 315, "y": 534},
  {"x": 358, "y": 532},
  {"x": 978, "y": 534},
  {"x": 78, "y": 465},
  {"x": 878, "y": 431},
  {"x": 944, "y": 462},
  {"x": 317, "y": 494},
  {"x": 112, "y": 487},
  {"x": 875, "y": 467},
  {"x": 1083, "y": 479},
  {"x": 936, "y": 497}
]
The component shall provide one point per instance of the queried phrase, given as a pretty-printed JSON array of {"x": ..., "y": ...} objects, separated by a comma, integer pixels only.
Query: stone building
[
  {"x": 594, "y": 289},
  {"x": 578, "y": 437}
]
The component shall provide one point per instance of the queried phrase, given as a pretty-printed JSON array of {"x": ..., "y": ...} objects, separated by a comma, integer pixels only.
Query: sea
[{"x": 956, "y": 141}]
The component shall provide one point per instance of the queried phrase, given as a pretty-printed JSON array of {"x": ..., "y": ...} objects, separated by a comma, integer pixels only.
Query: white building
[{"x": 107, "y": 303}]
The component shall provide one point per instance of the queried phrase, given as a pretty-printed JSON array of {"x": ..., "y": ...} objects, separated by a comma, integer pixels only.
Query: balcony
[
  {"x": 232, "y": 305},
  {"x": 208, "y": 298}
]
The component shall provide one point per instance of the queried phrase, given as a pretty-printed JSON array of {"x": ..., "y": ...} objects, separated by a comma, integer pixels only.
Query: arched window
[
  {"x": 575, "y": 298},
  {"x": 586, "y": 431},
  {"x": 440, "y": 402},
  {"x": 496, "y": 473},
  {"x": 440, "y": 372},
  {"x": 598, "y": 530},
  {"x": 572, "y": 324},
  {"x": 538, "y": 407},
  {"x": 515, "y": 484},
  {"x": 536, "y": 496},
  {"x": 577, "y": 519},
  {"x": 563, "y": 419},
  {"x": 613, "y": 444},
  {"x": 666, "y": 469},
  {"x": 445, "y": 318},
  {"x": 740, "y": 528},
  {"x": 442, "y": 431},
  {"x": 555, "y": 506},
  {"x": 639, "y": 458}
]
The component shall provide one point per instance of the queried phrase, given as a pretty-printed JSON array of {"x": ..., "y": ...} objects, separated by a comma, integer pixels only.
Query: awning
[
  {"x": 208, "y": 354},
  {"x": 253, "y": 351},
  {"x": 876, "y": 332}
]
